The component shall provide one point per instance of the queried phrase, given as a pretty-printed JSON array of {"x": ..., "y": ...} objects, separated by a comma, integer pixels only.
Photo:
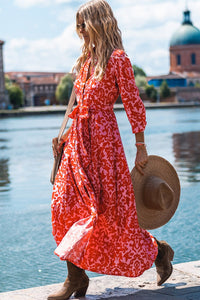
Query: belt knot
[{"x": 83, "y": 111}]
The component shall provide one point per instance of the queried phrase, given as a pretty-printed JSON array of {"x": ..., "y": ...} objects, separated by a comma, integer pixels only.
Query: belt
[{"x": 83, "y": 111}]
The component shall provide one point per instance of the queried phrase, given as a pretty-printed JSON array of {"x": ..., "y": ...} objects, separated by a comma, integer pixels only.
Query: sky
[{"x": 40, "y": 35}]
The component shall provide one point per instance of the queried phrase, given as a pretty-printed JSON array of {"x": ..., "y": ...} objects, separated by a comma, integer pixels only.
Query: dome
[{"x": 187, "y": 34}]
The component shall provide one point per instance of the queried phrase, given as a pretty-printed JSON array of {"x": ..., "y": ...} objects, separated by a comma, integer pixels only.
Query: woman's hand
[
  {"x": 141, "y": 158},
  {"x": 57, "y": 146}
]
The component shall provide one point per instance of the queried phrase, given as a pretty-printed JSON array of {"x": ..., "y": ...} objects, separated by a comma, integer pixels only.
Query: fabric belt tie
[{"x": 83, "y": 111}]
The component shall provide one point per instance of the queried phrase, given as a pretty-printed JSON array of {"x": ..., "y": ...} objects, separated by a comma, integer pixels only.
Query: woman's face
[{"x": 82, "y": 30}]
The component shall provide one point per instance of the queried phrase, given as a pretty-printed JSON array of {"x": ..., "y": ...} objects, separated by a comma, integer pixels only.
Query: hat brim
[{"x": 159, "y": 167}]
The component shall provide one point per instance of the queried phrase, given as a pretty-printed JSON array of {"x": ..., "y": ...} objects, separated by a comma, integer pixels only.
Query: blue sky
[{"x": 40, "y": 34}]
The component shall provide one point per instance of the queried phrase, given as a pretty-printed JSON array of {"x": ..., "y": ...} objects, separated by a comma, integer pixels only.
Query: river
[{"x": 26, "y": 243}]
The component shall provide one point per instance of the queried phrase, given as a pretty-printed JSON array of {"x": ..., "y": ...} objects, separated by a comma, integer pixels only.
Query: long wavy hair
[{"x": 104, "y": 34}]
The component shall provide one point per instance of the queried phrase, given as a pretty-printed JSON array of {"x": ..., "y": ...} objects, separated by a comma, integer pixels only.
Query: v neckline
[{"x": 87, "y": 74}]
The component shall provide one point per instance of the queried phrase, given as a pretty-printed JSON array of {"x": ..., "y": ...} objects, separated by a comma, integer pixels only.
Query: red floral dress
[{"x": 94, "y": 215}]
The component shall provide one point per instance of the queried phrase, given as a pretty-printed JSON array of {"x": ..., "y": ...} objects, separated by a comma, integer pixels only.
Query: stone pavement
[{"x": 183, "y": 284}]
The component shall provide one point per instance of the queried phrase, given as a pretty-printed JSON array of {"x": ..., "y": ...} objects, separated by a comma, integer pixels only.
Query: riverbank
[
  {"x": 57, "y": 109},
  {"x": 183, "y": 284}
]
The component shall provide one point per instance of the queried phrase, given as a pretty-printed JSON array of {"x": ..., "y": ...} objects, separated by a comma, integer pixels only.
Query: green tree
[
  {"x": 138, "y": 71},
  {"x": 141, "y": 81},
  {"x": 164, "y": 90},
  {"x": 151, "y": 92},
  {"x": 197, "y": 84},
  {"x": 8, "y": 82},
  {"x": 63, "y": 90},
  {"x": 16, "y": 95}
]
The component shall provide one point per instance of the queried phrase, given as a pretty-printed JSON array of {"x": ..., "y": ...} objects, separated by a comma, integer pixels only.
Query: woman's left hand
[
  {"x": 141, "y": 158},
  {"x": 57, "y": 146}
]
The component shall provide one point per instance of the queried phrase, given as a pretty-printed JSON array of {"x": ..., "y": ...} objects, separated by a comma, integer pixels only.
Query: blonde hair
[{"x": 104, "y": 34}]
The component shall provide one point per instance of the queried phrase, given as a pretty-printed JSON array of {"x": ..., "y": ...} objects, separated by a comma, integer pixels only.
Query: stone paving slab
[{"x": 183, "y": 284}]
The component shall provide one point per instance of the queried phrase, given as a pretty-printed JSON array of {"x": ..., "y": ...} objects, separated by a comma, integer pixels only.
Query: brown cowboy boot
[
  {"x": 163, "y": 262},
  {"x": 77, "y": 282}
]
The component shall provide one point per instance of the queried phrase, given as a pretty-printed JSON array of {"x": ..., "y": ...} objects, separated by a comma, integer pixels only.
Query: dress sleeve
[{"x": 132, "y": 102}]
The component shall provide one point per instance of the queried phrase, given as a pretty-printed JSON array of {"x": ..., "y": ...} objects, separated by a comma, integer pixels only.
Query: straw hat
[{"x": 157, "y": 192}]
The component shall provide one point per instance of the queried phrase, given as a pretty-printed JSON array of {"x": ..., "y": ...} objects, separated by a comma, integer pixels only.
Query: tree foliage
[
  {"x": 138, "y": 71},
  {"x": 63, "y": 90},
  {"x": 8, "y": 82},
  {"x": 16, "y": 95},
  {"x": 14, "y": 92},
  {"x": 141, "y": 81},
  {"x": 151, "y": 92},
  {"x": 197, "y": 84},
  {"x": 164, "y": 90}
]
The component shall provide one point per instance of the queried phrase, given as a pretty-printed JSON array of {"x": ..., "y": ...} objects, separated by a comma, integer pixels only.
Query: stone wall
[{"x": 188, "y": 94}]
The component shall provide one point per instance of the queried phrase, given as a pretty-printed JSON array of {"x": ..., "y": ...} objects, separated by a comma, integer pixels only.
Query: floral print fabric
[{"x": 94, "y": 215}]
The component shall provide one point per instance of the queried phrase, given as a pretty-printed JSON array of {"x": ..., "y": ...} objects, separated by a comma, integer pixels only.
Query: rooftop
[
  {"x": 187, "y": 34},
  {"x": 37, "y": 78}
]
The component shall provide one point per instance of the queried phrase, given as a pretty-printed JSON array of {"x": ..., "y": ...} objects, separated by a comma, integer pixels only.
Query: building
[
  {"x": 3, "y": 96},
  {"x": 184, "y": 54},
  {"x": 38, "y": 87},
  {"x": 185, "y": 47},
  {"x": 173, "y": 80}
]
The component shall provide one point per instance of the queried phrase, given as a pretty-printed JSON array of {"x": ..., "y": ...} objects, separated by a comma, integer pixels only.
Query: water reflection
[
  {"x": 186, "y": 147},
  {"x": 4, "y": 175},
  {"x": 4, "y": 162}
]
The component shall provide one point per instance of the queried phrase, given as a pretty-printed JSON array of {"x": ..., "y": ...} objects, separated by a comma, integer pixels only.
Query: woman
[{"x": 94, "y": 216}]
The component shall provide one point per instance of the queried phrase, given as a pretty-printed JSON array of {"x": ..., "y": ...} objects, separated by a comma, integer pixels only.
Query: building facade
[
  {"x": 38, "y": 87},
  {"x": 184, "y": 54},
  {"x": 185, "y": 47}
]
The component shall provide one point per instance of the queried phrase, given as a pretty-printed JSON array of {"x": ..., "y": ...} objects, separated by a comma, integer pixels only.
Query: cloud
[
  {"x": 57, "y": 54},
  {"x": 146, "y": 26},
  {"x": 69, "y": 1},
  {"x": 30, "y": 3},
  {"x": 146, "y": 35},
  {"x": 67, "y": 15}
]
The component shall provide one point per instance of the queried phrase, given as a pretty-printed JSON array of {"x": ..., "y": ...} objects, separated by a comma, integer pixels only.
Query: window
[
  {"x": 193, "y": 59},
  {"x": 178, "y": 59}
]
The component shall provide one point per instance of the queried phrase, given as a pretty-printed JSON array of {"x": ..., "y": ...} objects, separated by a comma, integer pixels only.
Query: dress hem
[{"x": 111, "y": 273}]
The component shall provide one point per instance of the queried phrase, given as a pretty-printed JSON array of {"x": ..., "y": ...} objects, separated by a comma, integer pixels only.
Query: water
[{"x": 26, "y": 243}]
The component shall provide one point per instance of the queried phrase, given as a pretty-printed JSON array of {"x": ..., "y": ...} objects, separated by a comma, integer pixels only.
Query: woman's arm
[
  {"x": 133, "y": 104},
  {"x": 129, "y": 92},
  {"x": 141, "y": 155}
]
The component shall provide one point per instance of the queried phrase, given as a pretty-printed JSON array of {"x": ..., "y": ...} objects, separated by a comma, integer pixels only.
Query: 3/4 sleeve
[{"x": 132, "y": 102}]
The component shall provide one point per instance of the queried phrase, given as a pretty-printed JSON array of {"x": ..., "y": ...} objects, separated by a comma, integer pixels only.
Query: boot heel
[{"x": 81, "y": 292}]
